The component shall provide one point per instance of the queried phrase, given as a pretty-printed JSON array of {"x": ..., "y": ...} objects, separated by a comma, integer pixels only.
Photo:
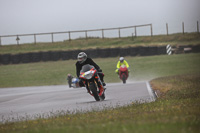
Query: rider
[
  {"x": 120, "y": 63},
  {"x": 69, "y": 78},
  {"x": 83, "y": 60}
]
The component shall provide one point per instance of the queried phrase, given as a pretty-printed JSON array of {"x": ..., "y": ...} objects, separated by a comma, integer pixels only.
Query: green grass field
[{"x": 55, "y": 73}]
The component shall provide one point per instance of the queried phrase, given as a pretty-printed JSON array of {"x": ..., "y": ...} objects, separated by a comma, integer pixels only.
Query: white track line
[{"x": 151, "y": 93}]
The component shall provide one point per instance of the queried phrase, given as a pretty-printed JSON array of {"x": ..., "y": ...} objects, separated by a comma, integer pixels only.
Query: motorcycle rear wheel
[{"x": 93, "y": 88}]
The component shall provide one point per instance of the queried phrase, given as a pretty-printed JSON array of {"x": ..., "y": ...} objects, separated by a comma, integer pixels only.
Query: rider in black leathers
[{"x": 83, "y": 60}]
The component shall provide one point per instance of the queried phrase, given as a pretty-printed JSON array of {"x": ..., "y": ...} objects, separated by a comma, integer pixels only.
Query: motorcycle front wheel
[
  {"x": 124, "y": 79},
  {"x": 93, "y": 88}
]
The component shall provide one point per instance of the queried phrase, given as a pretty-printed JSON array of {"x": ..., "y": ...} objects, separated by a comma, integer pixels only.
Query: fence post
[
  {"x": 102, "y": 33},
  {"x": 52, "y": 37},
  {"x": 135, "y": 31},
  {"x": 132, "y": 37},
  {"x": 197, "y": 26},
  {"x": 69, "y": 36},
  {"x": 35, "y": 38},
  {"x": 119, "y": 33},
  {"x": 151, "y": 30},
  {"x": 86, "y": 34},
  {"x": 183, "y": 26},
  {"x": 167, "y": 28},
  {"x": 17, "y": 39}
]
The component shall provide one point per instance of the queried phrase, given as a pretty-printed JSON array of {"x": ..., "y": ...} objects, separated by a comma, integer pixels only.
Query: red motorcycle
[
  {"x": 123, "y": 73},
  {"x": 90, "y": 78}
]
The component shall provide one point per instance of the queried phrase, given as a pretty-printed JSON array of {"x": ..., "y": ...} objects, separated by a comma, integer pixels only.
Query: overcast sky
[{"x": 38, "y": 16}]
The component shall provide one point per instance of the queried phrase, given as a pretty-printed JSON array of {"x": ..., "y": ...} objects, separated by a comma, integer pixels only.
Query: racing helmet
[
  {"x": 82, "y": 57},
  {"x": 121, "y": 59}
]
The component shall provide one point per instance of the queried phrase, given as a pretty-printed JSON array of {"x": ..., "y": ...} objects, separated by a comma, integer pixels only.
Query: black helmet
[{"x": 82, "y": 57}]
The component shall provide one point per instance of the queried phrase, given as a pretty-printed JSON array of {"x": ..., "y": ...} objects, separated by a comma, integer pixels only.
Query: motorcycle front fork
[{"x": 97, "y": 81}]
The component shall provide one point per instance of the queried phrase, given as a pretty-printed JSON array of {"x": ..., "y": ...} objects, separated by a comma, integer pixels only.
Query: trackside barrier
[{"x": 93, "y": 53}]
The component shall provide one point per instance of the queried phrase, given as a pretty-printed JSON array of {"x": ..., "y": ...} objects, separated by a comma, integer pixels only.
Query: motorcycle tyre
[
  {"x": 93, "y": 88},
  {"x": 124, "y": 79}
]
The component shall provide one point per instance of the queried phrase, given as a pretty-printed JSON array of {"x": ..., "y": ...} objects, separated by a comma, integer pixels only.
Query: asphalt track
[{"x": 32, "y": 102}]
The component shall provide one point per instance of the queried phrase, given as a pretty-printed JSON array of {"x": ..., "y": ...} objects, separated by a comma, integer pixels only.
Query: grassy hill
[{"x": 92, "y": 43}]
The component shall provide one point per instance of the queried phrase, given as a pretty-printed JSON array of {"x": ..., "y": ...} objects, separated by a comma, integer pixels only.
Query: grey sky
[{"x": 38, "y": 16}]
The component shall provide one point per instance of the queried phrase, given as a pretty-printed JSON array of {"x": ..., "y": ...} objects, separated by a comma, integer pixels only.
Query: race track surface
[{"x": 32, "y": 102}]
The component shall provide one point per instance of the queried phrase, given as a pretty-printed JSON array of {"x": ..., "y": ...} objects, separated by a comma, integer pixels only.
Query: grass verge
[{"x": 176, "y": 110}]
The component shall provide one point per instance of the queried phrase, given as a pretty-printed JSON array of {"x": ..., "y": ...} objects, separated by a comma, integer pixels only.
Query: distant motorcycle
[
  {"x": 90, "y": 78},
  {"x": 123, "y": 73},
  {"x": 72, "y": 81},
  {"x": 75, "y": 83}
]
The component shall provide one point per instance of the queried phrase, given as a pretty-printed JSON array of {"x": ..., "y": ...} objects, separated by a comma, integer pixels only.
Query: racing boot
[
  {"x": 104, "y": 84},
  {"x": 101, "y": 78},
  {"x": 100, "y": 86}
]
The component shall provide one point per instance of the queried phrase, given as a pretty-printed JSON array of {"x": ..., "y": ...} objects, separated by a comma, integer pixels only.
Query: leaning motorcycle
[
  {"x": 123, "y": 73},
  {"x": 90, "y": 78}
]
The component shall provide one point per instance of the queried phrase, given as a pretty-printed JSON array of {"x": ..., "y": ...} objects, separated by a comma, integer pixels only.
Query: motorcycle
[
  {"x": 90, "y": 78},
  {"x": 72, "y": 81},
  {"x": 75, "y": 83},
  {"x": 123, "y": 73}
]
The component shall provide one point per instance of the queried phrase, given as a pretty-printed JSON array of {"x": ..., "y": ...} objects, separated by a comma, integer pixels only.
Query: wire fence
[{"x": 86, "y": 34}]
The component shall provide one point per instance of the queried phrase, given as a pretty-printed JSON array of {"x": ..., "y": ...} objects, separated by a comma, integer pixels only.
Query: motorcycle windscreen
[{"x": 86, "y": 68}]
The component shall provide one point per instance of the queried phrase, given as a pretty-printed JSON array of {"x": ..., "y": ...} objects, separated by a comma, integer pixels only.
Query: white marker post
[{"x": 169, "y": 49}]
